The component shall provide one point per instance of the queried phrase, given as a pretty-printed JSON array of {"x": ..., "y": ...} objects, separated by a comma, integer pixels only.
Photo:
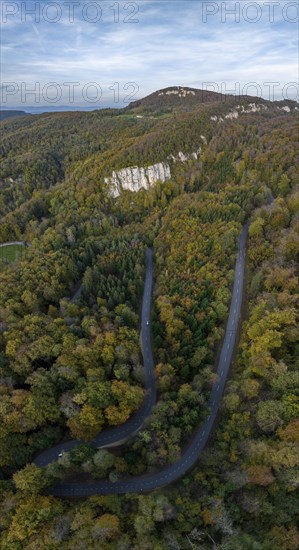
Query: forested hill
[
  {"x": 40, "y": 151},
  {"x": 187, "y": 99},
  {"x": 10, "y": 114},
  {"x": 71, "y": 368}
]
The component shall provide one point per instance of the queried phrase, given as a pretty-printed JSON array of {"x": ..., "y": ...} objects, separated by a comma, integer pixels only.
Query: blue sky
[{"x": 153, "y": 44}]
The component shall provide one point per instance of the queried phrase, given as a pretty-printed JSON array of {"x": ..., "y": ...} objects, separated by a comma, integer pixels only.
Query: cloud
[{"x": 170, "y": 44}]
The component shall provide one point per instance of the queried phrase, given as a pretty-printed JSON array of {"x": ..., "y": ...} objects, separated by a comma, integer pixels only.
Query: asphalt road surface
[
  {"x": 190, "y": 456},
  {"x": 112, "y": 436}
]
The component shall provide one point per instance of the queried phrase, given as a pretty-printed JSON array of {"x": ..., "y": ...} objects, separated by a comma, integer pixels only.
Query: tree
[
  {"x": 260, "y": 475},
  {"x": 87, "y": 423},
  {"x": 269, "y": 415},
  {"x": 290, "y": 432},
  {"x": 282, "y": 537},
  {"x": 31, "y": 515},
  {"x": 106, "y": 527},
  {"x": 31, "y": 479}
]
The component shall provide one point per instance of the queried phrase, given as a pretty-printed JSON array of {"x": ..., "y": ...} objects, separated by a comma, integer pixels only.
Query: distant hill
[
  {"x": 175, "y": 96},
  {"x": 10, "y": 114},
  {"x": 184, "y": 99},
  {"x": 42, "y": 151}
]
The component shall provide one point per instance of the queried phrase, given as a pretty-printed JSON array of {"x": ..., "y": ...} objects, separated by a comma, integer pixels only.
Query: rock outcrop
[
  {"x": 253, "y": 108},
  {"x": 240, "y": 110},
  {"x": 134, "y": 178},
  {"x": 250, "y": 108},
  {"x": 183, "y": 157},
  {"x": 181, "y": 92}
]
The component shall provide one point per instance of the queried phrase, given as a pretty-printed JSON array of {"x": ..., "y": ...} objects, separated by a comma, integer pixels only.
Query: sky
[{"x": 94, "y": 54}]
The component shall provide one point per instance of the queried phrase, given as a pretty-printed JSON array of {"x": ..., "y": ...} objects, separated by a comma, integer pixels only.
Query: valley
[{"x": 148, "y": 365}]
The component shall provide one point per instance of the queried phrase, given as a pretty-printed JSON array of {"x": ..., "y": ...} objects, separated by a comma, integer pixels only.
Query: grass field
[{"x": 11, "y": 252}]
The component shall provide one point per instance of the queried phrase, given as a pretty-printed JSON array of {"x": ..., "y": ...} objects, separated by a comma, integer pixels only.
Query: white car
[
  {"x": 147, "y": 323},
  {"x": 61, "y": 454}
]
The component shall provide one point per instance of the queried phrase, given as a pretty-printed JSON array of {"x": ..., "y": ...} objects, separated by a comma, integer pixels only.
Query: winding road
[
  {"x": 191, "y": 454},
  {"x": 117, "y": 435}
]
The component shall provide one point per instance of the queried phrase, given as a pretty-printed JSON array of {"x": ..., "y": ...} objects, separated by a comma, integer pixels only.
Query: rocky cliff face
[
  {"x": 181, "y": 92},
  {"x": 135, "y": 177},
  {"x": 183, "y": 157},
  {"x": 250, "y": 108},
  {"x": 239, "y": 110}
]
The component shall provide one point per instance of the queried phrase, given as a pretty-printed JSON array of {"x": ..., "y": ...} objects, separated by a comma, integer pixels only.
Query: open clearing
[{"x": 11, "y": 252}]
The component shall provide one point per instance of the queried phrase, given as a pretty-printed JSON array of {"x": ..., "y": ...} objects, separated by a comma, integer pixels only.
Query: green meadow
[{"x": 11, "y": 252}]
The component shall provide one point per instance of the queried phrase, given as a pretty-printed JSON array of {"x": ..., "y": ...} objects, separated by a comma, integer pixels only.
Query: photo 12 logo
[
  {"x": 70, "y": 11},
  {"x": 250, "y": 12},
  {"x": 270, "y": 91},
  {"x": 122, "y": 93},
  {"x": 68, "y": 92}
]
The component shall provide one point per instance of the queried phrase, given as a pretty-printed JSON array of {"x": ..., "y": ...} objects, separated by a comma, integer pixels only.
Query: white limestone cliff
[
  {"x": 232, "y": 114},
  {"x": 135, "y": 178},
  {"x": 253, "y": 108},
  {"x": 250, "y": 108},
  {"x": 240, "y": 110},
  {"x": 181, "y": 92},
  {"x": 183, "y": 157}
]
